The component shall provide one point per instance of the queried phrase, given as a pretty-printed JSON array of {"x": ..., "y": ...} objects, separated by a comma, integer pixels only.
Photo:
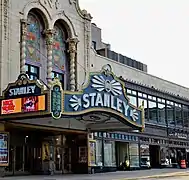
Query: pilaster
[
  {"x": 72, "y": 55},
  {"x": 23, "y": 45},
  {"x": 49, "y": 42}
]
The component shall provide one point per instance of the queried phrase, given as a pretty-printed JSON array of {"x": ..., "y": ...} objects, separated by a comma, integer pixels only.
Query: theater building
[
  {"x": 65, "y": 95},
  {"x": 28, "y": 106}
]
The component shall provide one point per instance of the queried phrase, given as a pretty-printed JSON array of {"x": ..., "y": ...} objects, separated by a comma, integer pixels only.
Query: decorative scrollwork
[
  {"x": 23, "y": 79},
  {"x": 51, "y": 3}
]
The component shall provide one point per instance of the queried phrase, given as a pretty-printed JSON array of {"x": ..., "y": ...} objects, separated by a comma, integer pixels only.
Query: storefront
[
  {"x": 114, "y": 148},
  {"x": 178, "y": 142}
]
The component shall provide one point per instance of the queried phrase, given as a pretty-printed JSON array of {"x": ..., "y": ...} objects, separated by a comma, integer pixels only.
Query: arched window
[
  {"x": 33, "y": 38},
  {"x": 34, "y": 45},
  {"x": 60, "y": 62}
]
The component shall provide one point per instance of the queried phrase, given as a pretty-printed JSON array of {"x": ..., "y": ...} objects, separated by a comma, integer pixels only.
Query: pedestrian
[{"x": 51, "y": 166}]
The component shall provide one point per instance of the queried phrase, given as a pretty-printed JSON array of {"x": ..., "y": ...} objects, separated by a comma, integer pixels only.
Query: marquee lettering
[
  {"x": 105, "y": 100},
  {"x": 22, "y": 90}
]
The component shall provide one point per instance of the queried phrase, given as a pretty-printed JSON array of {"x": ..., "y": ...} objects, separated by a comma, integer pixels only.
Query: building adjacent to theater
[{"x": 66, "y": 95}]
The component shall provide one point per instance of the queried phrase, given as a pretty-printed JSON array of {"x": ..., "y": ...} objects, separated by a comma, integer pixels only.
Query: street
[
  {"x": 171, "y": 178},
  {"x": 159, "y": 174}
]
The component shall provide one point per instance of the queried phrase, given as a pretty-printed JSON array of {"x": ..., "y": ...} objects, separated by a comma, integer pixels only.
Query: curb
[{"x": 158, "y": 176}]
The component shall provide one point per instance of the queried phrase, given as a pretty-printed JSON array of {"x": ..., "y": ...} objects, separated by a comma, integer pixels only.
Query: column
[
  {"x": 23, "y": 45},
  {"x": 63, "y": 152},
  {"x": 103, "y": 141},
  {"x": 49, "y": 42},
  {"x": 72, "y": 52},
  {"x": 87, "y": 39}
]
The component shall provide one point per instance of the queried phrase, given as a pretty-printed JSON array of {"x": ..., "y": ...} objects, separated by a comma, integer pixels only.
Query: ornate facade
[
  {"x": 52, "y": 38},
  {"x": 49, "y": 37}
]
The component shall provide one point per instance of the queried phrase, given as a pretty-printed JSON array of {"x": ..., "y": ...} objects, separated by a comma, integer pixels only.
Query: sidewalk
[
  {"x": 160, "y": 176},
  {"x": 119, "y": 175}
]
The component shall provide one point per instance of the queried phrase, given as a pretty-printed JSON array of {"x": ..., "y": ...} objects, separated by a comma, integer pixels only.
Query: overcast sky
[{"x": 155, "y": 32}]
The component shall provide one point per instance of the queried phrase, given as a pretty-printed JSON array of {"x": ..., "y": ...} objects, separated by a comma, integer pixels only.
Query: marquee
[
  {"x": 105, "y": 93},
  {"x": 24, "y": 98}
]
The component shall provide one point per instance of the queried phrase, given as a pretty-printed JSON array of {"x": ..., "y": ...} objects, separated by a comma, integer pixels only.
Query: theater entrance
[{"x": 31, "y": 149}]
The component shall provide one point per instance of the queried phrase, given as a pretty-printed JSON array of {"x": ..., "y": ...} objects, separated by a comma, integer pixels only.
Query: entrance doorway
[
  {"x": 25, "y": 152},
  {"x": 154, "y": 156},
  {"x": 30, "y": 151},
  {"x": 122, "y": 149}
]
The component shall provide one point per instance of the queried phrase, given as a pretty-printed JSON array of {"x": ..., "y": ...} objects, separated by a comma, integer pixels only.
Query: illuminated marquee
[
  {"x": 25, "y": 97},
  {"x": 106, "y": 93},
  {"x": 22, "y": 105}
]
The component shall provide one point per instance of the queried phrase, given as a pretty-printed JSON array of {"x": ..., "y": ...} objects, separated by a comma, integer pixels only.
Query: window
[
  {"x": 33, "y": 41},
  {"x": 134, "y": 155},
  {"x": 152, "y": 111},
  {"x": 94, "y": 44},
  {"x": 142, "y": 95},
  {"x": 132, "y": 100},
  {"x": 186, "y": 116},
  {"x": 161, "y": 113},
  {"x": 139, "y": 94},
  {"x": 59, "y": 48},
  {"x": 99, "y": 152},
  {"x": 32, "y": 71},
  {"x": 132, "y": 97},
  {"x": 109, "y": 154},
  {"x": 134, "y": 93},
  {"x": 35, "y": 47},
  {"x": 60, "y": 53},
  {"x": 178, "y": 114},
  {"x": 59, "y": 76},
  {"x": 170, "y": 113},
  {"x": 129, "y": 91}
]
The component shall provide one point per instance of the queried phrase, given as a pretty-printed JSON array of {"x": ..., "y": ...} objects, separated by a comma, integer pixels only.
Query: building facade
[{"x": 65, "y": 95}]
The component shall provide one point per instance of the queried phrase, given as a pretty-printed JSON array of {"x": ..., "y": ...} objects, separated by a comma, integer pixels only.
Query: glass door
[
  {"x": 67, "y": 160},
  {"x": 19, "y": 152},
  {"x": 33, "y": 161},
  {"x": 10, "y": 168}
]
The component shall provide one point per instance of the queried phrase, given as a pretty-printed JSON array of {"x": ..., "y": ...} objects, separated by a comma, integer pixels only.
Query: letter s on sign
[
  {"x": 86, "y": 101},
  {"x": 11, "y": 92}
]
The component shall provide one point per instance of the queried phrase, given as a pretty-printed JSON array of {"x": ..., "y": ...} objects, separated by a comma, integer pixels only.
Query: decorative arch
[
  {"x": 41, "y": 10},
  {"x": 66, "y": 22}
]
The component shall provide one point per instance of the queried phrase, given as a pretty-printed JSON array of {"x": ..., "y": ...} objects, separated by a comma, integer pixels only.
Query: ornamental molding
[
  {"x": 61, "y": 15},
  {"x": 50, "y": 4}
]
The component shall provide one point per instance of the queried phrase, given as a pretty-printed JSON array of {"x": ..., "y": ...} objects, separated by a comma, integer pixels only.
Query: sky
[{"x": 155, "y": 32}]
